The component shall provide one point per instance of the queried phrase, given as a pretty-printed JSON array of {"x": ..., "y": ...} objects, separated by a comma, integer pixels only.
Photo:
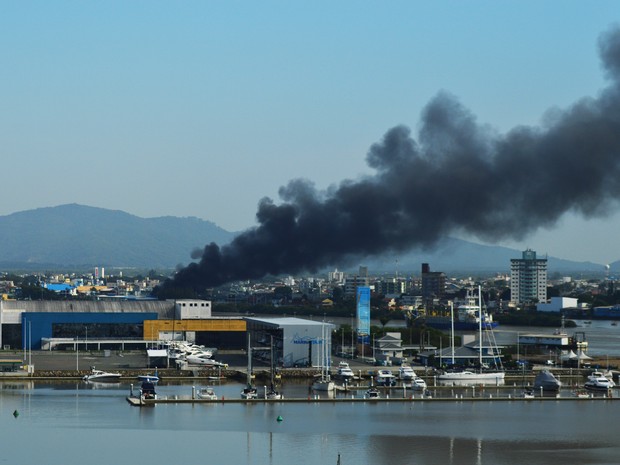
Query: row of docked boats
[
  {"x": 186, "y": 353},
  {"x": 547, "y": 382},
  {"x": 383, "y": 377}
]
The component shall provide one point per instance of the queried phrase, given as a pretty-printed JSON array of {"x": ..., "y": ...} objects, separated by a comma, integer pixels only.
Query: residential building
[
  {"x": 433, "y": 283},
  {"x": 528, "y": 279}
]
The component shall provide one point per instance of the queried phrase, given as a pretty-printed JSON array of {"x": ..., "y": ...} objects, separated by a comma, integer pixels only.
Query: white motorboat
[
  {"x": 344, "y": 372},
  {"x": 406, "y": 373},
  {"x": 100, "y": 376},
  {"x": 372, "y": 393},
  {"x": 206, "y": 393},
  {"x": 180, "y": 350},
  {"x": 385, "y": 378},
  {"x": 418, "y": 384},
  {"x": 597, "y": 381},
  {"x": 203, "y": 359}
]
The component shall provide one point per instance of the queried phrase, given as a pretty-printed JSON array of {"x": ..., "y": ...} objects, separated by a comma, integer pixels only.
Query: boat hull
[
  {"x": 446, "y": 323},
  {"x": 323, "y": 386},
  {"x": 471, "y": 376}
]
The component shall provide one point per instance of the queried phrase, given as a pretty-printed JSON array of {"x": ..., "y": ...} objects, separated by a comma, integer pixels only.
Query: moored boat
[
  {"x": 372, "y": 393},
  {"x": 344, "y": 373},
  {"x": 597, "y": 381},
  {"x": 206, "y": 393},
  {"x": 204, "y": 360},
  {"x": 418, "y": 384},
  {"x": 154, "y": 378},
  {"x": 406, "y": 373},
  {"x": 147, "y": 391},
  {"x": 101, "y": 376},
  {"x": 385, "y": 378},
  {"x": 481, "y": 375},
  {"x": 546, "y": 381}
]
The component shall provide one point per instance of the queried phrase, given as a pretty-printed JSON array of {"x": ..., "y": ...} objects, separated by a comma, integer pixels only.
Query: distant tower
[
  {"x": 433, "y": 283},
  {"x": 528, "y": 278}
]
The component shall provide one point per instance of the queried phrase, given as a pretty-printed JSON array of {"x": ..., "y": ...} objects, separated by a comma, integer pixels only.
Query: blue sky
[{"x": 203, "y": 108}]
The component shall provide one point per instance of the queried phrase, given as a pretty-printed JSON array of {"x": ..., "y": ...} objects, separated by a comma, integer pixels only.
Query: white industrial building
[
  {"x": 296, "y": 342},
  {"x": 556, "y": 304}
]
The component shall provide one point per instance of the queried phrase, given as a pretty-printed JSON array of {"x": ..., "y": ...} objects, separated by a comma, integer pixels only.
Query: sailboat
[
  {"x": 272, "y": 394},
  {"x": 468, "y": 375},
  {"x": 324, "y": 383},
  {"x": 249, "y": 392}
]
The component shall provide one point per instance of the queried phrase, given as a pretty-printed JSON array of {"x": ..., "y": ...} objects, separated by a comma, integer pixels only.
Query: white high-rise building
[{"x": 528, "y": 278}]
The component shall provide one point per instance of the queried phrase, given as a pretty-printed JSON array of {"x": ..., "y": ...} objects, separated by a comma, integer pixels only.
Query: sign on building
[{"x": 363, "y": 312}]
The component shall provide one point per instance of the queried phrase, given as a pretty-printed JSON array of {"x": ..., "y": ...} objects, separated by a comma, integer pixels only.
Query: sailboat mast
[
  {"x": 249, "y": 361},
  {"x": 480, "y": 325},
  {"x": 452, "y": 332},
  {"x": 271, "y": 359}
]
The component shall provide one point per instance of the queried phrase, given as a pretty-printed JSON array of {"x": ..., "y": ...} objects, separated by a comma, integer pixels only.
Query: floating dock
[{"x": 138, "y": 402}]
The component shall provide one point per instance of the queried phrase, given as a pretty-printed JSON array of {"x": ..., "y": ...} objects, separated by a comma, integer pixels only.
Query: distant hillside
[
  {"x": 73, "y": 236},
  {"x": 459, "y": 256},
  {"x": 77, "y": 235}
]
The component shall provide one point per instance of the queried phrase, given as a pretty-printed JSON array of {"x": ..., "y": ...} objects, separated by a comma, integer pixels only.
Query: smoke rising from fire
[{"x": 458, "y": 176}]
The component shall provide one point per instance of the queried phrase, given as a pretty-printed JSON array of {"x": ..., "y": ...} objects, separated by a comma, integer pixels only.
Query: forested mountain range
[{"x": 74, "y": 236}]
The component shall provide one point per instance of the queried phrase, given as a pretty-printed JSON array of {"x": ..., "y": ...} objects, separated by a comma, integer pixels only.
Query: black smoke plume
[{"x": 458, "y": 176}]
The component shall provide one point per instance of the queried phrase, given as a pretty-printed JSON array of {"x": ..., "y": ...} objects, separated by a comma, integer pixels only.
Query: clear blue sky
[{"x": 202, "y": 108}]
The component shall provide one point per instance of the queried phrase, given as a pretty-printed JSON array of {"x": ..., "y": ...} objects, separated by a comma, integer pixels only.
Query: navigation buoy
[
  {"x": 15, "y": 413},
  {"x": 279, "y": 419}
]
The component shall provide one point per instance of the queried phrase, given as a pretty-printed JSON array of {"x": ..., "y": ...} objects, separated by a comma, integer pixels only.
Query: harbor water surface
[{"x": 75, "y": 422}]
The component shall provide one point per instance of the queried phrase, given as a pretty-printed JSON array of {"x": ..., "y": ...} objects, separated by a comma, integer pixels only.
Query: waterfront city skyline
[{"x": 202, "y": 109}]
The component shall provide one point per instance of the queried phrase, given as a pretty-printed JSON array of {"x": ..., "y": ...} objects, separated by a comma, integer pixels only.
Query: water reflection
[{"x": 78, "y": 421}]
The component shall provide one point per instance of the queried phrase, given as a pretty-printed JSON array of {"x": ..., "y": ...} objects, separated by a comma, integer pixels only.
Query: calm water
[{"x": 72, "y": 422}]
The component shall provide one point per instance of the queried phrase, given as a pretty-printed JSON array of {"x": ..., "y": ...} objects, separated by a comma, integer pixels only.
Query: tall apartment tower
[
  {"x": 433, "y": 283},
  {"x": 528, "y": 278}
]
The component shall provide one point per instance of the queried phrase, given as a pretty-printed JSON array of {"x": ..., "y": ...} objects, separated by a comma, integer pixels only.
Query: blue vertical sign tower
[{"x": 363, "y": 314}]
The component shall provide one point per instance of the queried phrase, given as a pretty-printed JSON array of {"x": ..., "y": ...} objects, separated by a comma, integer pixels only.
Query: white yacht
[
  {"x": 406, "y": 373},
  {"x": 203, "y": 359},
  {"x": 385, "y": 378},
  {"x": 344, "y": 372},
  {"x": 418, "y": 384},
  {"x": 597, "y": 381},
  {"x": 100, "y": 376}
]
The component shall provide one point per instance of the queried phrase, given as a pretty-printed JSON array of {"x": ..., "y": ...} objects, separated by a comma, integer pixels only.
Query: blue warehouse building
[{"x": 66, "y": 324}]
